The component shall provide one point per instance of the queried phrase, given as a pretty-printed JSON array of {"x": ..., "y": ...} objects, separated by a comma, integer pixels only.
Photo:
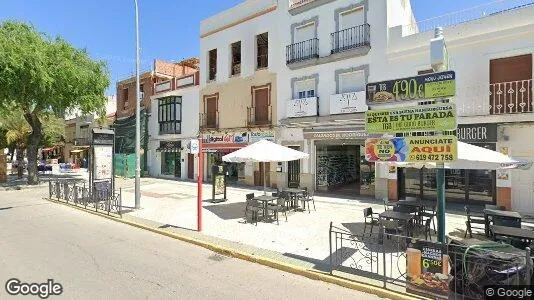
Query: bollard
[{"x": 330, "y": 243}]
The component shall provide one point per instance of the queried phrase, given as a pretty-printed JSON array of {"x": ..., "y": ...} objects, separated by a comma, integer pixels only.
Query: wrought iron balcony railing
[
  {"x": 511, "y": 97},
  {"x": 259, "y": 115},
  {"x": 302, "y": 51},
  {"x": 209, "y": 121},
  {"x": 351, "y": 38}
]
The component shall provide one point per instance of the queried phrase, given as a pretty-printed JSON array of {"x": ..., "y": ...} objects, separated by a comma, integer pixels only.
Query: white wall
[{"x": 245, "y": 32}]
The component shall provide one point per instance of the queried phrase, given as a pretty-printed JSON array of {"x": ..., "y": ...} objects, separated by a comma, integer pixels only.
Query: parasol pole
[{"x": 264, "y": 186}]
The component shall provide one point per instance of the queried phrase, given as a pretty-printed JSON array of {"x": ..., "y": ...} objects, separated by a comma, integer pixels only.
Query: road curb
[{"x": 315, "y": 275}]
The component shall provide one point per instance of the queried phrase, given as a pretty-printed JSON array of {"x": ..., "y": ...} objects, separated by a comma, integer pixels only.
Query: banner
[
  {"x": 434, "y": 85},
  {"x": 427, "y": 270},
  {"x": 440, "y": 117},
  {"x": 412, "y": 149}
]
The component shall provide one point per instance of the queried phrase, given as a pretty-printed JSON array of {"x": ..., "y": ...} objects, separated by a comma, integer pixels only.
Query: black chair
[
  {"x": 423, "y": 229},
  {"x": 307, "y": 198},
  {"x": 252, "y": 207},
  {"x": 387, "y": 205},
  {"x": 250, "y": 196},
  {"x": 428, "y": 213},
  {"x": 280, "y": 206},
  {"x": 471, "y": 219},
  {"x": 494, "y": 207},
  {"x": 370, "y": 218},
  {"x": 393, "y": 227}
]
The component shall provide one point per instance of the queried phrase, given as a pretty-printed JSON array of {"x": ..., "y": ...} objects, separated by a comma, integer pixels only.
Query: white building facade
[{"x": 173, "y": 122}]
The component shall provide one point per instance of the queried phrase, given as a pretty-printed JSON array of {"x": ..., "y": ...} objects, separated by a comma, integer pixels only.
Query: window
[
  {"x": 305, "y": 89},
  {"x": 305, "y": 32},
  {"x": 236, "y": 58},
  {"x": 141, "y": 92},
  {"x": 125, "y": 103},
  {"x": 262, "y": 44},
  {"x": 351, "y": 82},
  {"x": 170, "y": 115},
  {"x": 212, "y": 64},
  {"x": 351, "y": 18}
]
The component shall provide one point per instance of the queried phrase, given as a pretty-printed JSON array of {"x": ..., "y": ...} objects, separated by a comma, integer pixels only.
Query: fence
[
  {"x": 383, "y": 258},
  {"x": 77, "y": 194}
]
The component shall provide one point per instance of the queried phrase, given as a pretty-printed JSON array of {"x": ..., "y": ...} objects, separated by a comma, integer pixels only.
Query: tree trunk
[
  {"x": 33, "y": 145},
  {"x": 11, "y": 151},
  {"x": 20, "y": 161}
]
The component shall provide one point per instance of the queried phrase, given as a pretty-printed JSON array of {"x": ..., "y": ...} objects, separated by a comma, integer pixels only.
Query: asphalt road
[{"x": 96, "y": 258}]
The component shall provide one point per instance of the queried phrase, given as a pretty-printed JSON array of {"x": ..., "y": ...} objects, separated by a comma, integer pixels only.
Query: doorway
[
  {"x": 293, "y": 171},
  {"x": 259, "y": 177},
  {"x": 190, "y": 166}
]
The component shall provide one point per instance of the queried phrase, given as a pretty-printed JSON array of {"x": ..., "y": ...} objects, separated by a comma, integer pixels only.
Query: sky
[{"x": 169, "y": 29}]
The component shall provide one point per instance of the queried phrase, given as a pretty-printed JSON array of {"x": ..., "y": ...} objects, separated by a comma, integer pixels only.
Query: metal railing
[
  {"x": 209, "y": 121},
  {"x": 351, "y": 38},
  {"x": 383, "y": 259},
  {"x": 212, "y": 74},
  {"x": 236, "y": 69},
  {"x": 302, "y": 51},
  {"x": 259, "y": 115},
  {"x": 78, "y": 194},
  {"x": 511, "y": 97},
  {"x": 466, "y": 15},
  {"x": 262, "y": 61}
]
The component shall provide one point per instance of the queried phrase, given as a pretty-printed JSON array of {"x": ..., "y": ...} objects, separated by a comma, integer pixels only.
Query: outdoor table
[
  {"x": 265, "y": 199},
  {"x": 499, "y": 213},
  {"x": 521, "y": 233},
  {"x": 411, "y": 204},
  {"x": 400, "y": 216},
  {"x": 294, "y": 193}
]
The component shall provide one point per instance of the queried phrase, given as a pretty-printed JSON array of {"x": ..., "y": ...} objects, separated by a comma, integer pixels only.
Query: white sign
[
  {"x": 256, "y": 136},
  {"x": 185, "y": 81},
  {"x": 163, "y": 86},
  {"x": 195, "y": 147},
  {"x": 348, "y": 103},
  {"x": 305, "y": 107},
  {"x": 103, "y": 162}
]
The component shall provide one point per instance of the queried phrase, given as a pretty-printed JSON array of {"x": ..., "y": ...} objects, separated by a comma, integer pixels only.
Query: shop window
[
  {"x": 170, "y": 115},
  {"x": 171, "y": 164}
]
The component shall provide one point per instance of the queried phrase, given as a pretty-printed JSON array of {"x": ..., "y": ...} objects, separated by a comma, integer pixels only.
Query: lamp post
[{"x": 137, "y": 114}]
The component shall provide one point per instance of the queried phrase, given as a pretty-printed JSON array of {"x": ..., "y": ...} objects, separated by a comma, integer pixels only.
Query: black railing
[
  {"x": 212, "y": 73},
  {"x": 351, "y": 38},
  {"x": 302, "y": 51},
  {"x": 209, "y": 121},
  {"x": 259, "y": 115},
  {"x": 262, "y": 61},
  {"x": 79, "y": 194}
]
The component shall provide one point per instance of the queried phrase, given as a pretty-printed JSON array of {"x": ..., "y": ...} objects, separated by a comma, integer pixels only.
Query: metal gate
[{"x": 293, "y": 172}]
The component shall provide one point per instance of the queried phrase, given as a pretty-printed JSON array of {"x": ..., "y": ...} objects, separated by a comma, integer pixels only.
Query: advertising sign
[
  {"x": 194, "y": 146},
  {"x": 256, "y": 136},
  {"x": 305, "y": 107},
  {"x": 427, "y": 270},
  {"x": 348, "y": 103},
  {"x": 219, "y": 184},
  {"x": 103, "y": 162},
  {"x": 441, "y": 117},
  {"x": 412, "y": 149},
  {"x": 227, "y": 138},
  {"x": 428, "y": 86}
]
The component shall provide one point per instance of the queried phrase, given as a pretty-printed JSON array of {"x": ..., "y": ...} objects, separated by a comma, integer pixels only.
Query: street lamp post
[{"x": 137, "y": 114}]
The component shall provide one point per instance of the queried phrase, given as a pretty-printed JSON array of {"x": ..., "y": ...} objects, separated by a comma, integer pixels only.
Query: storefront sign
[
  {"x": 427, "y": 270},
  {"x": 226, "y": 138},
  {"x": 441, "y": 117},
  {"x": 504, "y": 175},
  {"x": 255, "y": 136},
  {"x": 169, "y": 146},
  {"x": 333, "y": 135},
  {"x": 103, "y": 162},
  {"x": 306, "y": 107},
  {"x": 348, "y": 103},
  {"x": 412, "y": 149},
  {"x": 194, "y": 146},
  {"x": 427, "y": 86},
  {"x": 477, "y": 133}
]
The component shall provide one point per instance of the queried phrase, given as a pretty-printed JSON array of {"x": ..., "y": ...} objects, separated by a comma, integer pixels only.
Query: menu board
[
  {"x": 103, "y": 162},
  {"x": 219, "y": 184},
  {"x": 427, "y": 269}
]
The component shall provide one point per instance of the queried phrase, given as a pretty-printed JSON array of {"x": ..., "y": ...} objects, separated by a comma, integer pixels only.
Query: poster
[
  {"x": 428, "y": 86},
  {"x": 412, "y": 149},
  {"x": 504, "y": 175},
  {"x": 103, "y": 162},
  {"x": 219, "y": 184},
  {"x": 427, "y": 270},
  {"x": 441, "y": 117}
]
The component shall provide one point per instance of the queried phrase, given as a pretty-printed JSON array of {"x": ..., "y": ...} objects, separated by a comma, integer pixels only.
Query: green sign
[
  {"x": 439, "y": 117},
  {"x": 435, "y": 85}
]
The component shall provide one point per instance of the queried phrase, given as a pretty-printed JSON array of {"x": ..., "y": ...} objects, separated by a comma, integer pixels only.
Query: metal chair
[
  {"x": 387, "y": 205},
  {"x": 280, "y": 206},
  {"x": 495, "y": 207},
  {"x": 471, "y": 220},
  {"x": 392, "y": 227},
  {"x": 429, "y": 213},
  {"x": 307, "y": 198},
  {"x": 424, "y": 228},
  {"x": 370, "y": 218},
  {"x": 252, "y": 207}
]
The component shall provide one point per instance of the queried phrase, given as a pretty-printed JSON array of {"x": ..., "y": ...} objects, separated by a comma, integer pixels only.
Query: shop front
[
  {"x": 339, "y": 161},
  {"x": 171, "y": 158},
  {"x": 464, "y": 186}
]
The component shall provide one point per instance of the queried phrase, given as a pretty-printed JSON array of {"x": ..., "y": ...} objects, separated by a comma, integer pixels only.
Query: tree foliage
[{"x": 41, "y": 76}]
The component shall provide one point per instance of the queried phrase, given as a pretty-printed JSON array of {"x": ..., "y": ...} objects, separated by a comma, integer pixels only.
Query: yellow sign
[{"x": 412, "y": 149}]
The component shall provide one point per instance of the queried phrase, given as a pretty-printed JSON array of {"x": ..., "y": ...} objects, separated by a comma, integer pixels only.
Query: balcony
[
  {"x": 304, "y": 107},
  {"x": 259, "y": 115},
  {"x": 351, "y": 38},
  {"x": 514, "y": 97},
  {"x": 302, "y": 51},
  {"x": 176, "y": 83},
  {"x": 348, "y": 103},
  {"x": 299, "y": 6},
  {"x": 209, "y": 121}
]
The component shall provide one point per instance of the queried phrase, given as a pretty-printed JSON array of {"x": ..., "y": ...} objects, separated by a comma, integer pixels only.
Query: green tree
[
  {"x": 41, "y": 75},
  {"x": 17, "y": 133}
]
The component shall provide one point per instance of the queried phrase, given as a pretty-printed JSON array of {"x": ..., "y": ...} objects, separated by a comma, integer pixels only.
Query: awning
[{"x": 168, "y": 150}]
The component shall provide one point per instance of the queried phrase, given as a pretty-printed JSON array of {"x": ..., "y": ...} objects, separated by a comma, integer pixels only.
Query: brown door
[
  {"x": 261, "y": 108},
  {"x": 211, "y": 112},
  {"x": 190, "y": 166},
  {"x": 511, "y": 84},
  {"x": 258, "y": 178}
]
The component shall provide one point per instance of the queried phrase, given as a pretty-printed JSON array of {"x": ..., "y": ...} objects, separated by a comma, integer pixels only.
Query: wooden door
[
  {"x": 261, "y": 106},
  {"x": 293, "y": 172},
  {"x": 211, "y": 112},
  {"x": 190, "y": 166},
  {"x": 260, "y": 177}
]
